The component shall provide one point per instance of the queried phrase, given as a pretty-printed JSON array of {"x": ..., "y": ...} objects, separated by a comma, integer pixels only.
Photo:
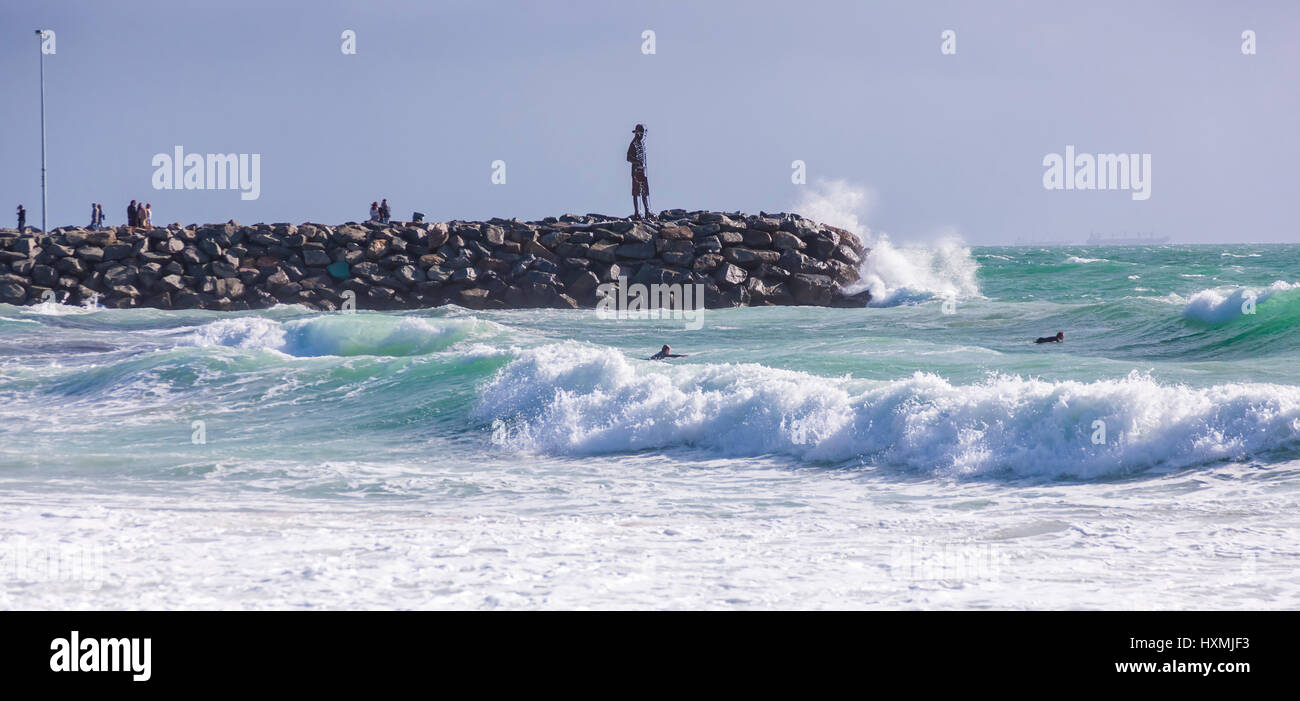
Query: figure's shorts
[{"x": 640, "y": 184}]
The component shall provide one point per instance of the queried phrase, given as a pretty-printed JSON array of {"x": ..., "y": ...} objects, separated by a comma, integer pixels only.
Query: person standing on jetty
[
  {"x": 131, "y": 214},
  {"x": 640, "y": 184},
  {"x": 22, "y": 217},
  {"x": 385, "y": 212}
]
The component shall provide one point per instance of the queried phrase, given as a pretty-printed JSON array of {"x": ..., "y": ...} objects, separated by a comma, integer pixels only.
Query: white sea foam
[
  {"x": 906, "y": 274},
  {"x": 53, "y": 308},
  {"x": 894, "y": 274},
  {"x": 572, "y": 399}
]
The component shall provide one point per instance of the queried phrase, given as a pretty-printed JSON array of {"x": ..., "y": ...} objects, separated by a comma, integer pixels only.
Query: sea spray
[{"x": 893, "y": 274}]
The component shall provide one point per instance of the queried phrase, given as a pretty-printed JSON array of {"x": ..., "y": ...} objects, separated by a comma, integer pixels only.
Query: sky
[{"x": 927, "y": 144}]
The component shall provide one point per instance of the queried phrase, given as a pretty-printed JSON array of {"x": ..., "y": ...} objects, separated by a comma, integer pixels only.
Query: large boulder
[
  {"x": 812, "y": 290},
  {"x": 635, "y": 251},
  {"x": 729, "y": 274}
]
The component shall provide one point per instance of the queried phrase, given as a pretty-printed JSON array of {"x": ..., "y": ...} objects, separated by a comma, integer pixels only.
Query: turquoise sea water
[{"x": 920, "y": 453}]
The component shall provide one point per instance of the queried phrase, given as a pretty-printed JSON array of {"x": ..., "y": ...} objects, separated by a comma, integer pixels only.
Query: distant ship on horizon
[{"x": 1124, "y": 240}]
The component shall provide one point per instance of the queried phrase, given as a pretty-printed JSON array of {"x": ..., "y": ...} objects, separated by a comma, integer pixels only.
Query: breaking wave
[
  {"x": 894, "y": 274},
  {"x": 573, "y": 399}
]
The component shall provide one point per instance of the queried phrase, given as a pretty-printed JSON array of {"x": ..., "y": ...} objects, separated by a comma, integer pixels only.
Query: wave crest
[
  {"x": 336, "y": 335},
  {"x": 1217, "y": 305},
  {"x": 570, "y": 399}
]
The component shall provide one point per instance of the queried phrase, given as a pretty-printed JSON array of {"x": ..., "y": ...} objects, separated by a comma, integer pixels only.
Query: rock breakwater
[{"x": 561, "y": 262}]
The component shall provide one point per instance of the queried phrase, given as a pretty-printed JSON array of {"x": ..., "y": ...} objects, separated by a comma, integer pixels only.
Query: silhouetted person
[
  {"x": 665, "y": 352},
  {"x": 99, "y": 213},
  {"x": 22, "y": 218},
  {"x": 385, "y": 212},
  {"x": 131, "y": 214},
  {"x": 1058, "y": 338},
  {"x": 640, "y": 184}
]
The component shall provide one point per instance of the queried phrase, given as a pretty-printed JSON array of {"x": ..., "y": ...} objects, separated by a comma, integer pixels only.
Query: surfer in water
[
  {"x": 665, "y": 352},
  {"x": 1058, "y": 338}
]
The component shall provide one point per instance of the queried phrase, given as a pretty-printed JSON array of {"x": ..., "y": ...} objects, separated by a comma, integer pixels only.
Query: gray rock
[
  {"x": 12, "y": 292},
  {"x": 757, "y": 239},
  {"x": 315, "y": 257},
  {"x": 71, "y": 266},
  {"x": 605, "y": 251},
  {"x": 25, "y": 245},
  {"x": 730, "y": 274},
  {"x": 230, "y": 288},
  {"x": 748, "y": 257},
  {"x": 120, "y": 275},
  {"x": 45, "y": 275},
  {"x": 118, "y": 251},
  {"x": 223, "y": 269},
  {"x": 812, "y": 289},
  {"x": 635, "y": 251},
  {"x": 408, "y": 275},
  {"x": 682, "y": 260},
  {"x": 676, "y": 233},
  {"x": 438, "y": 274},
  {"x": 707, "y": 263},
  {"x": 584, "y": 285},
  {"x": 785, "y": 241},
  {"x": 846, "y": 253},
  {"x": 172, "y": 283}
]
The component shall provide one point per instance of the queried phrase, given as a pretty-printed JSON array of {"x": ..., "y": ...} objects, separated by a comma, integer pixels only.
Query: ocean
[{"x": 921, "y": 452}]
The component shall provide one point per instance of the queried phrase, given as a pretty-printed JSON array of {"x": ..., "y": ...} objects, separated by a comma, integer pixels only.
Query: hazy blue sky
[{"x": 736, "y": 91}]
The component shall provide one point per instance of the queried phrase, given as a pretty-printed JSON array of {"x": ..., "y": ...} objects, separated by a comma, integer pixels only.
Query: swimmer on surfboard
[
  {"x": 665, "y": 352},
  {"x": 1058, "y": 338}
]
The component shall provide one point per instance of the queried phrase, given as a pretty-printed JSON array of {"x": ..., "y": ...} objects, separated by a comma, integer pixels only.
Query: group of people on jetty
[
  {"x": 140, "y": 215},
  {"x": 381, "y": 212}
]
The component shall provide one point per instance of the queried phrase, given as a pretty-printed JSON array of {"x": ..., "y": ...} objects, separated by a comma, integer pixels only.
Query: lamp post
[{"x": 40, "y": 35}]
